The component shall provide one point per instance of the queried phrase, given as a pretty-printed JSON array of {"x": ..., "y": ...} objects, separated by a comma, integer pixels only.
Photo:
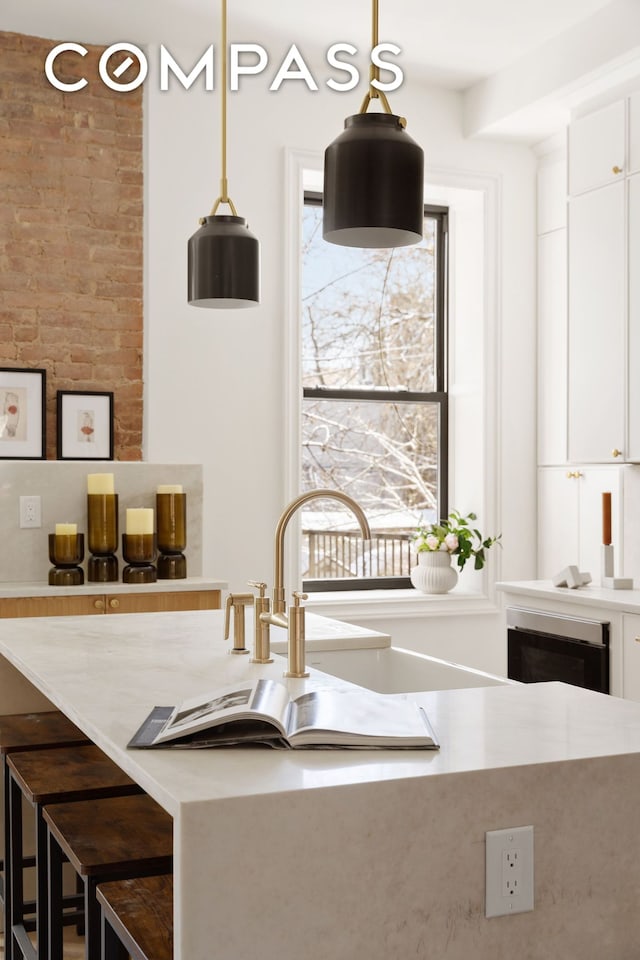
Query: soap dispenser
[{"x": 237, "y": 602}]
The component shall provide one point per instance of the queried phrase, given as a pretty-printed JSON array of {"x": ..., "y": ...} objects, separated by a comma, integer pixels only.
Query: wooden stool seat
[
  {"x": 71, "y": 774},
  {"x": 114, "y": 835},
  {"x": 105, "y": 839},
  {"x": 37, "y": 731},
  {"x": 137, "y": 918},
  {"x": 21, "y": 732}
]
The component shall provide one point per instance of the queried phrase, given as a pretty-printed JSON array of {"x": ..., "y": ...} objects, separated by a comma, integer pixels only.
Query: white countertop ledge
[
  {"x": 106, "y": 675},
  {"x": 588, "y": 596}
]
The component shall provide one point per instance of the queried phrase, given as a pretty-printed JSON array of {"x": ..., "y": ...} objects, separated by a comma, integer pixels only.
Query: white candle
[
  {"x": 100, "y": 483},
  {"x": 170, "y": 488},
  {"x": 139, "y": 520},
  {"x": 66, "y": 529}
]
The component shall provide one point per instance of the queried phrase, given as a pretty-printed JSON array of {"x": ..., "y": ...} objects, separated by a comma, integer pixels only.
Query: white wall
[{"x": 214, "y": 379}]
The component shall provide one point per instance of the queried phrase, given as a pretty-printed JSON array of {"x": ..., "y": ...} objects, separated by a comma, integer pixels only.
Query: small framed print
[
  {"x": 22, "y": 414},
  {"x": 85, "y": 425}
]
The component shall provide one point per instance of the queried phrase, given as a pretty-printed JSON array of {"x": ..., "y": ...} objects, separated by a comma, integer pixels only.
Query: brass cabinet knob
[
  {"x": 574, "y": 474},
  {"x": 637, "y": 639},
  {"x": 616, "y": 453},
  {"x": 617, "y": 169},
  {"x": 114, "y": 604},
  {"x": 98, "y": 604}
]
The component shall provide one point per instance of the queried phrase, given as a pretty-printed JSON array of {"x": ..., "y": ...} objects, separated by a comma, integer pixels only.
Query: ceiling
[{"x": 464, "y": 45}]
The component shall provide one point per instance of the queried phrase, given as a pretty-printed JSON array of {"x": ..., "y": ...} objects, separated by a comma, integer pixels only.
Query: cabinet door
[
  {"x": 163, "y": 602},
  {"x": 70, "y": 606},
  {"x": 552, "y": 348},
  {"x": 631, "y": 656},
  {"x": 597, "y": 325},
  {"x": 633, "y": 370},
  {"x": 558, "y": 519},
  {"x": 597, "y": 148},
  {"x": 634, "y": 133}
]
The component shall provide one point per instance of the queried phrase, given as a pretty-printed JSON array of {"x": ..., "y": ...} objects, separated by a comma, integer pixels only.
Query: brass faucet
[{"x": 278, "y": 617}]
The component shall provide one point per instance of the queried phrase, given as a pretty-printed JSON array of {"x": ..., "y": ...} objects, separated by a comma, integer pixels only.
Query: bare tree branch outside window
[{"x": 374, "y": 420}]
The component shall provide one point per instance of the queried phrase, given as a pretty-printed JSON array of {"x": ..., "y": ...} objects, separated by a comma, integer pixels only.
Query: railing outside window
[{"x": 334, "y": 554}]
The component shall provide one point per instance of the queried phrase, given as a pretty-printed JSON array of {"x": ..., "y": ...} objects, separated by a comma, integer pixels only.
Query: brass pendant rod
[
  {"x": 374, "y": 71},
  {"x": 224, "y": 188}
]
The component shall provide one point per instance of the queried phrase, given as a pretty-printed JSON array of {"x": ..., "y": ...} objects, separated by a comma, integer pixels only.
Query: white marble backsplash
[{"x": 62, "y": 485}]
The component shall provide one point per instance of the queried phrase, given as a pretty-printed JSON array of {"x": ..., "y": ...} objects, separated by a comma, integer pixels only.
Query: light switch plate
[{"x": 509, "y": 871}]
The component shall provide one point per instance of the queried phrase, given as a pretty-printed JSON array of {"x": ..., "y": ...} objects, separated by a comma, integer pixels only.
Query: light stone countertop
[
  {"x": 279, "y": 853},
  {"x": 590, "y": 595},
  {"x": 106, "y": 675}
]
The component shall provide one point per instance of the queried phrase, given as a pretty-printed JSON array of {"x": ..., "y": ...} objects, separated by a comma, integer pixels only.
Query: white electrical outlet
[
  {"x": 509, "y": 871},
  {"x": 30, "y": 512}
]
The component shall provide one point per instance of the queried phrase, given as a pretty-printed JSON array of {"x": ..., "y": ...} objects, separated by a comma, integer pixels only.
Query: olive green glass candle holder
[
  {"x": 139, "y": 551},
  {"x": 102, "y": 514},
  {"x": 66, "y": 553},
  {"x": 171, "y": 513}
]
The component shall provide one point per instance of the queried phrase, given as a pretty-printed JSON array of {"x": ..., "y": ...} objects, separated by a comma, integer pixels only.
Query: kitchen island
[{"x": 366, "y": 855}]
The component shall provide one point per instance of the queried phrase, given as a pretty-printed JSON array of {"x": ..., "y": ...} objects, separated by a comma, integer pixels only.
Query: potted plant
[{"x": 436, "y": 544}]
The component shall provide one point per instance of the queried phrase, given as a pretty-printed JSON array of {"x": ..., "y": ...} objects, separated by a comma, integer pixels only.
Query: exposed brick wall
[{"x": 71, "y": 225}]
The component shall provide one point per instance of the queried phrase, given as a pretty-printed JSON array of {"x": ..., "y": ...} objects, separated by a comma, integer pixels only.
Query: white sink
[{"x": 395, "y": 670}]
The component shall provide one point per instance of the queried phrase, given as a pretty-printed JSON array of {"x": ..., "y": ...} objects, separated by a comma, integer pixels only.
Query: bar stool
[
  {"x": 27, "y": 731},
  {"x": 137, "y": 918},
  {"x": 69, "y": 774},
  {"x": 110, "y": 839}
]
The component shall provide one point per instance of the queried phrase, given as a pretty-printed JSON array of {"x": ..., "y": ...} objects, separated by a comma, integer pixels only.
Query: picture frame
[
  {"x": 23, "y": 424},
  {"x": 85, "y": 425}
]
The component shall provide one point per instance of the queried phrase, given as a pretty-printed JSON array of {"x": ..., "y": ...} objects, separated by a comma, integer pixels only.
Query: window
[{"x": 374, "y": 403}]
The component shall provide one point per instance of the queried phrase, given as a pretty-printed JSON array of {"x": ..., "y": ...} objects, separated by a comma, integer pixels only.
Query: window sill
[{"x": 399, "y": 604}]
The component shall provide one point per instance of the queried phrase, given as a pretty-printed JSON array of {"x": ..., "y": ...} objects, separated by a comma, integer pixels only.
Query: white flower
[
  {"x": 432, "y": 542},
  {"x": 451, "y": 542}
]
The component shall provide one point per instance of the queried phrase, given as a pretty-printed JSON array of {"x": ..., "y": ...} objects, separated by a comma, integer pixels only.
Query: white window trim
[{"x": 401, "y": 603}]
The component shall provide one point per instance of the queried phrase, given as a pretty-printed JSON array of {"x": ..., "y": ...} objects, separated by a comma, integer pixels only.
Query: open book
[{"x": 263, "y": 712}]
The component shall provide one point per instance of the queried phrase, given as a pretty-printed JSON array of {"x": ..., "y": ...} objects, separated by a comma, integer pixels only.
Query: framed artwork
[
  {"x": 22, "y": 414},
  {"x": 85, "y": 425}
]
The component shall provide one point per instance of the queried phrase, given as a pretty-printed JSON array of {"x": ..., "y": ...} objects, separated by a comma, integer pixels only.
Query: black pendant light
[
  {"x": 373, "y": 177},
  {"x": 223, "y": 256}
]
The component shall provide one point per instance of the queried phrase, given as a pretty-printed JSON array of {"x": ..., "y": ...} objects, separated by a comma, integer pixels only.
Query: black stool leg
[
  {"x": 15, "y": 872},
  {"x": 54, "y": 924},
  {"x": 42, "y": 902},
  {"x": 6, "y": 915},
  {"x": 112, "y": 948},
  {"x": 92, "y": 924}
]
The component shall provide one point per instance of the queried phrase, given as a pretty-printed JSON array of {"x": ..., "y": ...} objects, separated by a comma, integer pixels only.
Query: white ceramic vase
[{"x": 434, "y": 572}]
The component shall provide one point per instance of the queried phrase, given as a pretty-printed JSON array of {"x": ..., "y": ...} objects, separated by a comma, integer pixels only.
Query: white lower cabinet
[
  {"x": 631, "y": 655},
  {"x": 570, "y": 517}
]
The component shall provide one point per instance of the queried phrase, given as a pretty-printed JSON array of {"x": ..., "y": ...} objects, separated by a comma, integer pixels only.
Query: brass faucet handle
[
  {"x": 297, "y": 597},
  {"x": 260, "y": 584}
]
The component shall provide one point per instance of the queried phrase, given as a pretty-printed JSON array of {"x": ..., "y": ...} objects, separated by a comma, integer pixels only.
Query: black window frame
[{"x": 439, "y": 397}]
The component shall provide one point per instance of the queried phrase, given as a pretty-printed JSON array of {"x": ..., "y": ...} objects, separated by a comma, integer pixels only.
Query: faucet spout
[{"x": 279, "y": 604}]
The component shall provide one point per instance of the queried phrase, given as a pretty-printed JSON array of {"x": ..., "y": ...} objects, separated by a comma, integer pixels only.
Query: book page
[
  {"x": 264, "y": 700},
  {"x": 351, "y": 715}
]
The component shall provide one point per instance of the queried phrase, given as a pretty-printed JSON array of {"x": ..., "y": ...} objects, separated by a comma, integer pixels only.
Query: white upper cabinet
[
  {"x": 634, "y": 133},
  {"x": 552, "y": 347},
  {"x": 597, "y": 326},
  {"x": 597, "y": 153}
]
